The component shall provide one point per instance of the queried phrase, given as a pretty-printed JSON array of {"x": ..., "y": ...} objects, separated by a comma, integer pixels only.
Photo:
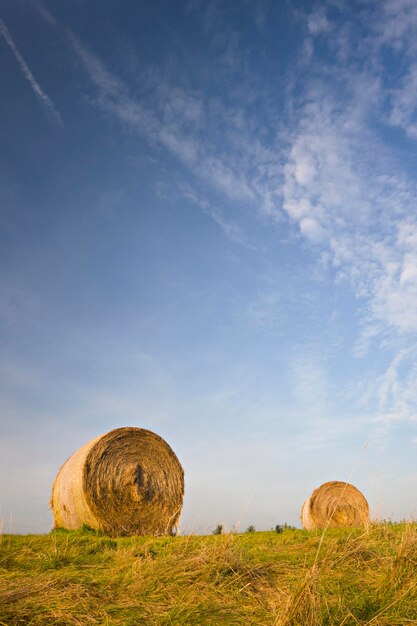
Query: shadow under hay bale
[
  {"x": 126, "y": 482},
  {"x": 335, "y": 504}
]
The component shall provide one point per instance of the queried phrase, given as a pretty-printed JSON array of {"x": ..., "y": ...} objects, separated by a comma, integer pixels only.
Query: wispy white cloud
[
  {"x": 232, "y": 230},
  {"x": 215, "y": 142},
  {"x": 170, "y": 129},
  {"x": 45, "y": 14},
  {"x": 403, "y": 101},
  {"x": 317, "y": 21},
  {"x": 347, "y": 193},
  {"x": 42, "y": 97},
  {"x": 395, "y": 25},
  {"x": 396, "y": 31}
]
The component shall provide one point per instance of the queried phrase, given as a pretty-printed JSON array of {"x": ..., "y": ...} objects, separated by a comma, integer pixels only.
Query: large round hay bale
[
  {"x": 126, "y": 482},
  {"x": 335, "y": 505}
]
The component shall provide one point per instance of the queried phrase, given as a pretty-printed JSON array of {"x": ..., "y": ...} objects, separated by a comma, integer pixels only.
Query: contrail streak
[{"x": 43, "y": 98}]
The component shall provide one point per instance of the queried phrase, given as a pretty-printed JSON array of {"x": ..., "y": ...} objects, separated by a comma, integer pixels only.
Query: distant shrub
[
  {"x": 251, "y": 529},
  {"x": 219, "y": 530},
  {"x": 279, "y": 528}
]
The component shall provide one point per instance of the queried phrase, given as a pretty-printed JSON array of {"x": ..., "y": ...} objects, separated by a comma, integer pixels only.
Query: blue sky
[{"x": 209, "y": 229}]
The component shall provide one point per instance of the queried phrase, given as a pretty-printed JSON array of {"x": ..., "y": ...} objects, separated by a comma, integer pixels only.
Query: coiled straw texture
[
  {"x": 335, "y": 504},
  {"x": 126, "y": 482}
]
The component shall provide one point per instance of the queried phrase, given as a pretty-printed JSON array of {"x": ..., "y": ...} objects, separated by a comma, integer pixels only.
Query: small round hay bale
[
  {"x": 335, "y": 505},
  {"x": 126, "y": 482}
]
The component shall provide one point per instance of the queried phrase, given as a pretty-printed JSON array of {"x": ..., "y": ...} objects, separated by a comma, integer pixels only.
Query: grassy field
[{"x": 293, "y": 578}]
